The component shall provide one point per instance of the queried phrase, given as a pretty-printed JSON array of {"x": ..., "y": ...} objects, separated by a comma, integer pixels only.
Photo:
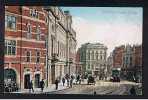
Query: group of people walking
[{"x": 69, "y": 79}]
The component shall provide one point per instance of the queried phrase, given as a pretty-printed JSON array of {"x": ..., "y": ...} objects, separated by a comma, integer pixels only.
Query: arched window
[
  {"x": 88, "y": 55},
  {"x": 37, "y": 57},
  {"x": 96, "y": 55},
  {"x": 28, "y": 31},
  {"x": 92, "y": 55},
  {"x": 38, "y": 31},
  {"x": 28, "y": 56}
]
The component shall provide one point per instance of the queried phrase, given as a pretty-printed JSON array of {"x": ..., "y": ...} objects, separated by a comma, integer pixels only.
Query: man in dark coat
[
  {"x": 63, "y": 80},
  {"x": 42, "y": 84},
  {"x": 31, "y": 86},
  {"x": 56, "y": 83},
  {"x": 71, "y": 82},
  {"x": 78, "y": 79}
]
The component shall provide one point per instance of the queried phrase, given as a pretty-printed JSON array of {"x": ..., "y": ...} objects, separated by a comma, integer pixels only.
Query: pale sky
[{"x": 112, "y": 26}]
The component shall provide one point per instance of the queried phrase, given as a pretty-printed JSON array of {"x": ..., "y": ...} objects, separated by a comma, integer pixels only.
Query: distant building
[
  {"x": 137, "y": 62},
  {"x": 127, "y": 62},
  {"x": 118, "y": 57},
  {"x": 109, "y": 65},
  {"x": 129, "y": 59},
  {"x": 78, "y": 63},
  {"x": 93, "y": 57}
]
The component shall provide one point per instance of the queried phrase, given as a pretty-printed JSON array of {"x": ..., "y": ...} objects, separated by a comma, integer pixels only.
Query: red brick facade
[
  {"x": 118, "y": 57},
  {"x": 78, "y": 64},
  {"x": 18, "y": 62},
  {"x": 137, "y": 55}
]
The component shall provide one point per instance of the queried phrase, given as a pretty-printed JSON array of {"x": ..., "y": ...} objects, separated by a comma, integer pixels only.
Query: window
[
  {"x": 10, "y": 22},
  {"x": 28, "y": 56},
  {"x": 130, "y": 61},
  {"x": 38, "y": 31},
  {"x": 34, "y": 13},
  {"x": 92, "y": 66},
  {"x": 37, "y": 57},
  {"x": 88, "y": 67},
  {"x": 28, "y": 31},
  {"x": 10, "y": 47},
  {"x": 100, "y": 52},
  {"x": 88, "y": 55},
  {"x": 104, "y": 57},
  {"x": 53, "y": 28},
  {"x": 46, "y": 20},
  {"x": 96, "y": 55},
  {"x": 46, "y": 41},
  {"x": 92, "y": 55},
  {"x": 101, "y": 57}
]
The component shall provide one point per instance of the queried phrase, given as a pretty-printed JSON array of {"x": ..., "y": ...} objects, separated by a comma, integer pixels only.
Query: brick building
[
  {"x": 78, "y": 63},
  {"x": 118, "y": 56},
  {"x": 129, "y": 59},
  {"x": 25, "y": 51},
  {"x": 137, "y": 62}
]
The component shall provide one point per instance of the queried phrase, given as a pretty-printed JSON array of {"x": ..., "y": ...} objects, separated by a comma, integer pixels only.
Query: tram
[{"x": 116, "y": 75}]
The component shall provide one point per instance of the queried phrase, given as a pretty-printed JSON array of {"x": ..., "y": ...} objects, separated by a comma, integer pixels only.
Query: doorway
[
  {"x": 53, "y": 73},
  {"x": 37, "y": 80},
  {"x": 26, "y": 81}
]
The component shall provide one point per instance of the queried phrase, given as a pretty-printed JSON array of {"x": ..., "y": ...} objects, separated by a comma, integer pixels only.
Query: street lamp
[{"x": 70, "y": 62}]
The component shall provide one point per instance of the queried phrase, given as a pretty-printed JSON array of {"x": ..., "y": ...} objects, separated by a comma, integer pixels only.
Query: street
[{"x": 101, "y": 88}]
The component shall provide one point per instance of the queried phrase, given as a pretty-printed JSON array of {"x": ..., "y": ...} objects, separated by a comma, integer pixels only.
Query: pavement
[{"x": 50, "y": 88}]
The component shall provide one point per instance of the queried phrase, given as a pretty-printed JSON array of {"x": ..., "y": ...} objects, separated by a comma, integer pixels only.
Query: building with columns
[
  {"x": 61, "y": 42},
  {"x": 93, "y": 56}
]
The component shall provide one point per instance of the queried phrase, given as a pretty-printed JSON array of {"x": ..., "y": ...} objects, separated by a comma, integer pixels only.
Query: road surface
[{"x": 101, "y": 88}]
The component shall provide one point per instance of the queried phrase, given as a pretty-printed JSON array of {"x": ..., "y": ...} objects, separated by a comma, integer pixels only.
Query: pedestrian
[
  {"x": 133, "y": 91},
  {"x": 67, "y": 79},
  {"x": 78, "y": 78},
  {"x": 31, "y": 86},
  {"x": 56, "y": 83},
  {"x": 72, "y": 76},
  {"x": 71, "y": 82},
  {"x": 42, "y": 84},
  {"x": 95, "y": 92},
  {"x": 67, "y": 82},
  {"x": 63, "y": 80}
]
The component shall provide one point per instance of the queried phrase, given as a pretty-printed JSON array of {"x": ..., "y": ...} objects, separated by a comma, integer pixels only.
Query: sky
[{"x": 111, "y": 26}]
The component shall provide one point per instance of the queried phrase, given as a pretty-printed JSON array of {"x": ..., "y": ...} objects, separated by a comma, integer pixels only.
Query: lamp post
[{"x": 70, "y": 62}]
